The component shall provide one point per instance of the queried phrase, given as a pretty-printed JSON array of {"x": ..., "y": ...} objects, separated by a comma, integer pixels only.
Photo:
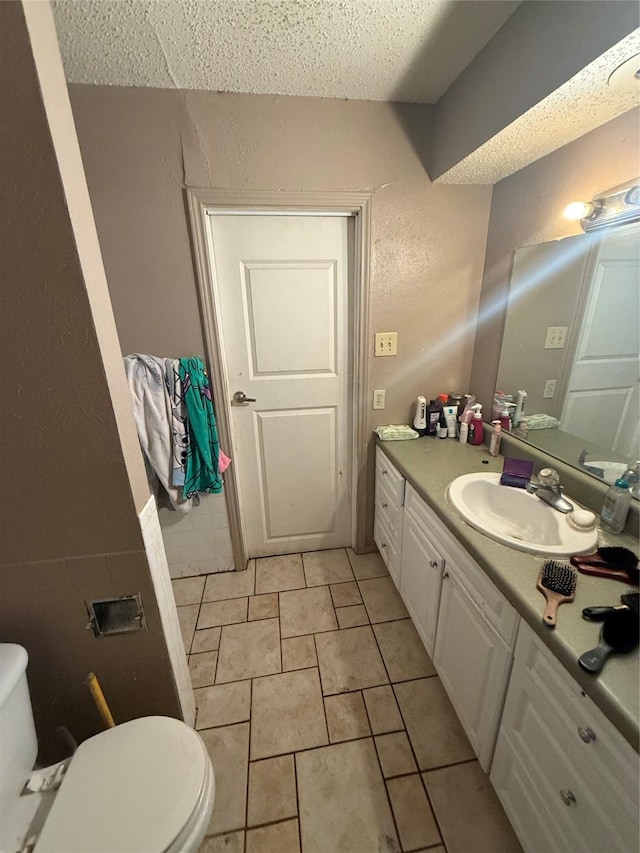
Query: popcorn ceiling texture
[
  {"x": 584, "y": 102},
  {"x": 380, "y": 50}
]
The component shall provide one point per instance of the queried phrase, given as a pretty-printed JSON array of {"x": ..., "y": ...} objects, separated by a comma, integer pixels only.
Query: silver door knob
[{"x": 241, "y": 397}]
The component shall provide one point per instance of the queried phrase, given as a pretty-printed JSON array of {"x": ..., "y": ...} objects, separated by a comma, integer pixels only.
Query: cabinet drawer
[
  {"x": 491, "y": 602},
  {"x": 579, "y": 764},
  {"x": 389, "y": 475}
]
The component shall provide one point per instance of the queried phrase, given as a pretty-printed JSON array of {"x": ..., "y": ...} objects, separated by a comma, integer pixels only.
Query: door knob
[{"x": 241, "y": 397}]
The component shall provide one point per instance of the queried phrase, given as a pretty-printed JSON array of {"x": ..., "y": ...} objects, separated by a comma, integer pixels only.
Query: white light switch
[
  {"x": 386, "y": 343},
  {"x": 556, "y": 336}
]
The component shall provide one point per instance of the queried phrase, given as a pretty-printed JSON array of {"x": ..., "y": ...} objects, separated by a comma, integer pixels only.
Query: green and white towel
[
  {"x": 396, "y": 432},
  {"x": 201, "y": 473}
]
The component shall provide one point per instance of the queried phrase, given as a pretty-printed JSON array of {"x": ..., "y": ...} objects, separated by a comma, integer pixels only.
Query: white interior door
[
  {"x": 601, "y": 403},
  {"x": 283, "y": 296}
]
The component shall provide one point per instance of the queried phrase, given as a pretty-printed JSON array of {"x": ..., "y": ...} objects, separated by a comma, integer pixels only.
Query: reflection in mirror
[{"x": 572, "y": 341}]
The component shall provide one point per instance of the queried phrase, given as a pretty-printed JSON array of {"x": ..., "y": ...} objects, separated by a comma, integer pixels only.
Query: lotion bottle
[
  {"x": 496, "y": 435},
  {"x": 476, "y": 425},
  {"x": 616, "y": 507}
]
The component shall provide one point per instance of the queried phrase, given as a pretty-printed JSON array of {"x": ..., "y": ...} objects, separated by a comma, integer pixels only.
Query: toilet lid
[{"x": 130, "y": 789}]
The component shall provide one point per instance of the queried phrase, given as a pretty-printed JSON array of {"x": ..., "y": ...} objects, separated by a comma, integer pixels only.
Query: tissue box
[{"x": 516, "y": 472}]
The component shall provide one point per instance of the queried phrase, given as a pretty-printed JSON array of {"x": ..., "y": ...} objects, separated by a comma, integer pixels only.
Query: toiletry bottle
[
  {"x": 521, "y": 402},
  {"x": 420, "y": 419},
  {"x": 616, "y": 507},
  {"x": 451, "y": 416},
  {"x": 443, "y": 430},
  {"x": 496, "y": 435},
  {"x": 522, "y": 429},
  {"x": 433, "y": 417},
  {"x": 475, "y": 426},
  {"x": 464, "y": 432}
]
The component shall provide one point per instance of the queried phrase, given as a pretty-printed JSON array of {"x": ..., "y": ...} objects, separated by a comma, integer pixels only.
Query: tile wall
[{"x": 198, "y": 542}]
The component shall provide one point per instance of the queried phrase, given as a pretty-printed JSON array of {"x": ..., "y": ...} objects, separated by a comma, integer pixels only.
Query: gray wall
[
  {"x": 69, "y": 526},
  {"x": 141, "y": 146},
  {"x": 527, "y": 209}
]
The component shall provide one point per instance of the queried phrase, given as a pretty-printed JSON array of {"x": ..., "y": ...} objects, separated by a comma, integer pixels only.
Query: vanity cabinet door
[
  {"x": 567, "y": 779},
  {"x": 473, "y": 662},
  {"x": 420, "y": 578}
]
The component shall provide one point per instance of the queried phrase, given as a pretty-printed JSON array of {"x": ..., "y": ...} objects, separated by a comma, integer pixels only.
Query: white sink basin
[{"x": 516, "y": 518}]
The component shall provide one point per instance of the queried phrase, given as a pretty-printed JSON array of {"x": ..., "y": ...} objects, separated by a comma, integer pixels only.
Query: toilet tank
[{"x": 18, "y": 742}]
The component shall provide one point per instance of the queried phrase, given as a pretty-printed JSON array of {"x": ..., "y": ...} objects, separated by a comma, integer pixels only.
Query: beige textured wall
[
  {"x": 69, "y": 528},
  {"x": 527, "y": 209},
  {"x": 140, "y": 147}
]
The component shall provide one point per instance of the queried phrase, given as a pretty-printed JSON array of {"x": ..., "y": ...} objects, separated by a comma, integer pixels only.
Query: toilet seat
[{"x": 134, "y": 788}]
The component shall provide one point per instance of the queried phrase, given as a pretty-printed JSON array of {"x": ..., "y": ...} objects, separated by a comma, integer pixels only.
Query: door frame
[{"x": 199, "y": 201}]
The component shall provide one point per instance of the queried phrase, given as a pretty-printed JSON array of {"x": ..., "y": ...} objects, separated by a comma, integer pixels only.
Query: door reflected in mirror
[{"x": 572, "y": 341}]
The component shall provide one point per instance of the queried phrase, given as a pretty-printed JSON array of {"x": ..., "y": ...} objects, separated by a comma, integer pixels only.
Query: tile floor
[{"x": 327, "y": 725}]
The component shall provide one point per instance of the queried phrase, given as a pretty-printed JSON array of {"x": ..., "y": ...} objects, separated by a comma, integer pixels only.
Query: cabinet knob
[
  {"x": 586, "y": 735},
  {"x": 384, "y": 506},
  {"x": 384, "y": 544},
  {"x": 567, "y": 797},
  {"x": 384, "y": 470},
  {"x": 433, "y": 564}
]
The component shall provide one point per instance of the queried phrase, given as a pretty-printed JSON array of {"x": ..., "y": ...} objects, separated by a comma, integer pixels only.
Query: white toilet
[{"x": 146, "y": 786}]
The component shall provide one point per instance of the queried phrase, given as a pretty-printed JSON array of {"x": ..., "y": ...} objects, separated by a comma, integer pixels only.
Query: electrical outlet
[
  {"x": 386, "y": 343},
  {"x": 556, "y": 336},
  {"x": 378, "y": 399},
  {"x": 549, "y": 389}
]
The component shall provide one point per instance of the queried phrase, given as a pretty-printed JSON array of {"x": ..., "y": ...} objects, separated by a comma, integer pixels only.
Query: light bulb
[{"x": 577, "y": 210}]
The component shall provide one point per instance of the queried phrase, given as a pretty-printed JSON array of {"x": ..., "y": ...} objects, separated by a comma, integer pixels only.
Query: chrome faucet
[{"x": 549, "y": 490}]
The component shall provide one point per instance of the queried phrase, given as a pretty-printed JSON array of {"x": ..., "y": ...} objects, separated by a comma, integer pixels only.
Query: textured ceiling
[
  {"x": 381, "y": 50},
  {"x": 583, "y": 103}
]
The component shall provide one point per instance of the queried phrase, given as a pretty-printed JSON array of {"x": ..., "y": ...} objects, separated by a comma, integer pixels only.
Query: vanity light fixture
[{"x": 616, "y": 206}]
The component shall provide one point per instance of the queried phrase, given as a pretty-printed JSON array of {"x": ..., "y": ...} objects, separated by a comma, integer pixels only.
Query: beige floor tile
[
  {"x": 263, "y": 606},
  {"x": 485, "y": 827},
  {"x": 367, "y": 565},
  {"x": 306, "y": 611},
  {"x": 298, "y": 653},
  {"x": 287, "y": 714},
  {"x": 416, "y": 824},
  {"x": 345, "y": 594},
  {"x": 274, "y": 574},
  {"x": 352, "y": 617},
  {"x": 342, "y": 801},
  {"x": 346, "y": 717},
  {"x": 202, "y": 668},
  {"x": 223, "y": 704},
  {"x": 272, "y": 790},
  {"x": 277, "y": 838},
  {"x": 230, "y": 584},
  {"x": 349, "y": 660},
  {"x": 188, "y": 616},
  {"x": 232, "y": 842},
  {"x": 229, "y": 750},
  {"x": 394, "y": 752},
  {"x": 226, "y": 612},
  {"x": 383, "y": 711},
  {"x": 206, "y": 640},
  {"x": 402, "y": 650},
  {"x": 382, "y": 600},
  {"x": 323, "y": 567},
  {"x": 435, "y": 732},
  {"x": 248, "y": 650},
  {"x": 187, "y": 590}
]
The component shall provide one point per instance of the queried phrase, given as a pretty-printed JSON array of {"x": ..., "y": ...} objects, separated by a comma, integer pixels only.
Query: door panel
[{"x": 283, "y": 294}]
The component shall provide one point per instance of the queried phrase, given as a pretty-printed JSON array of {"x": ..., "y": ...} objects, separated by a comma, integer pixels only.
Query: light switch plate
[
  {"x": 386, "y": 343},
  {"x": 556, "y": 336}
]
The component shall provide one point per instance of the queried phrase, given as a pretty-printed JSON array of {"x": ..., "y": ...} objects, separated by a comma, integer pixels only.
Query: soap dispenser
[{"x": 475, "y": 427}]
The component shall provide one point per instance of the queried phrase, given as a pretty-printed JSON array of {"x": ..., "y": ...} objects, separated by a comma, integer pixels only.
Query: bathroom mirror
[{"x": 572, "y": 342}]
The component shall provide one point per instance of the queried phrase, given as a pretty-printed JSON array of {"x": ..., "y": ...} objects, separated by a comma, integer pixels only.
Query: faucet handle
[{"x": 549, "y": 477}]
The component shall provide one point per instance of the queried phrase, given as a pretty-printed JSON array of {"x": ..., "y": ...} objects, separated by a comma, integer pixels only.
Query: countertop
[{"x": 430, "y": 464}]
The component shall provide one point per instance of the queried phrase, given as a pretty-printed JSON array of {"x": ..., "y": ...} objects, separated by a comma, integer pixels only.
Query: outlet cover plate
[
  {"x": 556, "y": 337},
  {"x": 378, "y": 399}
]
